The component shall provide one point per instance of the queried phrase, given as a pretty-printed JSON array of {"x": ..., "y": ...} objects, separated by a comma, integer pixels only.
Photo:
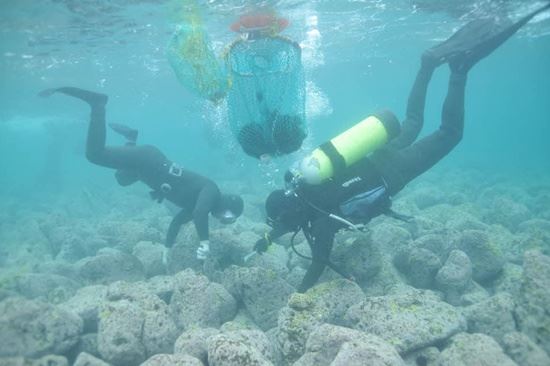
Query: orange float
[{"x": 259, "y": 22}]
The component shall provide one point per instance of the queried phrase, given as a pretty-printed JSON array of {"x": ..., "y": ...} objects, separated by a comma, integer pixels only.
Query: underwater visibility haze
[{"x": 93, "y": 272}]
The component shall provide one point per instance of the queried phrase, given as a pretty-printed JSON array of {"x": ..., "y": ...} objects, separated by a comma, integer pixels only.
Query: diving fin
[
  {"x": 476, "y": 40},
  {"x": 129, "y": 133}
]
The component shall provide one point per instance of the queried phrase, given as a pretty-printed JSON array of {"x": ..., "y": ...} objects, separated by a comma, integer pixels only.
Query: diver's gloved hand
[
  {"x": 262, "y": 244},
  {"x": 203, "y": 249}
]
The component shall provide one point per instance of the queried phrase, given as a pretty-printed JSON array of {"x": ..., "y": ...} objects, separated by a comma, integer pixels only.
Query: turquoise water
[
  {"x": 65, "y": 224},
  {"x": 361, "y": 56}
]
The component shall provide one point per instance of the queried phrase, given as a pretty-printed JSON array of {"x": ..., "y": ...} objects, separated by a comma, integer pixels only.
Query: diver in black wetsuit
[
  {"x": 196, "y": 195},
  {"x": 363, "y": 190}
]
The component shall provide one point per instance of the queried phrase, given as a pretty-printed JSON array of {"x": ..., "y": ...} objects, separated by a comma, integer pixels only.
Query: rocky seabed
[{"x": 466, "y": 282}]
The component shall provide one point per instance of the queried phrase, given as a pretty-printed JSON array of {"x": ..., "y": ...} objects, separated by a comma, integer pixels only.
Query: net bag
[
  {"x": 193, "y": 60},
  {"x": 266, "y": 98}
]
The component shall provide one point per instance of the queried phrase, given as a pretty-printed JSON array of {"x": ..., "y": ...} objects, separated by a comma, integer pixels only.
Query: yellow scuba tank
[{"x": 347, "y": 148}]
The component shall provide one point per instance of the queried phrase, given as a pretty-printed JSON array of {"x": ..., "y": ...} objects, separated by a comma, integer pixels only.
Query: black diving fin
[{"x": 477, "y": 39}]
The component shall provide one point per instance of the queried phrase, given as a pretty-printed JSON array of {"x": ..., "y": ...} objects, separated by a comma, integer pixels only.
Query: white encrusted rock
[
  {"x": 408, "y": 321},
  {"x": 85, "y": 303},
  {"x": 455, "y": 276},
  {"x": 324, "y": 303},
  {"x": 473, "y": 349},
  {"x": 534, "y": 300},
  {"x": 494, "y": 316},
  {"x": 172, "y": 360},
  {"x": 86, "y": 359},
  {"x": 263, "y": 292},
  {"x": 151, "y": 256},
  {"x": 523, "y": 350},
  {"x": 194, "y": 342},
  {"x": 331, "y": 345},
  {"x": 198, "y": 302},
  {"x": 109, "y": 266},
  {"x": 33, "y": 329},
  {"x": 226, "y": 350}
]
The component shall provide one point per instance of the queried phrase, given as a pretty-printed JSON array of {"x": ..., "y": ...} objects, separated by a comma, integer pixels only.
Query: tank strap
[{"x": 337, "y": 160}]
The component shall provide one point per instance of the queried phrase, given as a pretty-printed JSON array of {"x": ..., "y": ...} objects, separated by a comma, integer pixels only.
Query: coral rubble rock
[
  {"x": 493, "y": 316},
  {"x": 134, "y": 324},
  {"x": 324, "y": 303},
  {"x": 262, "y": 292},
  {"x": 485, "y": 254},
  {"x": 524, "y": 351},
  {"x": 194, "y": 342},
  {"x": 86, "y": 359},
  {"x": 110, "y": 266},
  {"x": 150, "y": 255},
  {"x": 331, "y": 345},
  {"x": 473, "y": 349},
  {"x": 534, "y": 301},
  {"x": 172, "y": 360},
  {"x": 198, "y": 302},
  {"x": 226, "y": 350},
  {"x": 33, "y": 329},
  {"x": 455, "y": 276},
  {"x": 85, "y": 303},
  {"x": 408, "y": 321}
]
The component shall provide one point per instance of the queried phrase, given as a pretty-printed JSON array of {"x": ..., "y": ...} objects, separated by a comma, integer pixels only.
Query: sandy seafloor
[{"x": 467, "y": 282}]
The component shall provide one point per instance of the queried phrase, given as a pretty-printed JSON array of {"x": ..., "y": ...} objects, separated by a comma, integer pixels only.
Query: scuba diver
[
  {"x": 349, "y": 180},
  {"x": 196, "y": 195}
]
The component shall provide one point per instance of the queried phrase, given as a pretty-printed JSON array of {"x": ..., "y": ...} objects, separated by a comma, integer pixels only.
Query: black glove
[{"x": 262, "y": 244}]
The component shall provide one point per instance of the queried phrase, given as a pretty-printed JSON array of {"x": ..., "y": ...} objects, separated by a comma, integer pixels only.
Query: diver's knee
[
  {"x": 454, "y": 137},
  {"x": 94, "y": 157},
  {"x": 457, "y": 136},
  {"x": 91, "y": 156}
]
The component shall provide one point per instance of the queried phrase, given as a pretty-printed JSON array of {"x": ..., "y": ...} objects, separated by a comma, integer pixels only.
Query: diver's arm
[
  {"x": 264, "y": 243},
  {"x": 181, "y": 218},
  {"x": 206, "y": 201},
  {"x": 276, "y": 233}
]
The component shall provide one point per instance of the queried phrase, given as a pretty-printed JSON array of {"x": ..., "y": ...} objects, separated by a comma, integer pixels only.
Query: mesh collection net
[
  {"x": 194, "y": 61},
  {"x": 262, "y": 78},
  {"x": 266, "y": 95}
]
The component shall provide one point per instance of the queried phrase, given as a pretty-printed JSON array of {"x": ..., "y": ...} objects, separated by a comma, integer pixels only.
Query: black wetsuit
[
  {"x": 196, "y": 195},
  {"x": 391, "y": 167}
]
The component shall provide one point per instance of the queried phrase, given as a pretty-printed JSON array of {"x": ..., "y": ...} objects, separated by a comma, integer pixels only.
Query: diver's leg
[
  {"x": 400, "y": 167},
  {"x": 119, "y": 157},
  {"x": 415, "y": 107},
  {"x": 95, "y": 141},
  {"x": 434, "y": 147}
]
